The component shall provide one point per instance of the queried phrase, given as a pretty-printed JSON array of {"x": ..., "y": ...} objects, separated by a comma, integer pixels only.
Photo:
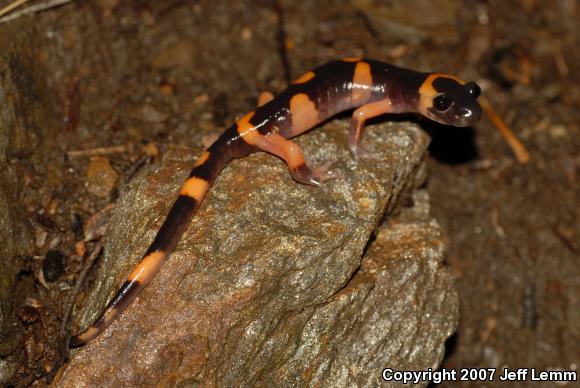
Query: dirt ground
[{"x": 128, "y": 79}]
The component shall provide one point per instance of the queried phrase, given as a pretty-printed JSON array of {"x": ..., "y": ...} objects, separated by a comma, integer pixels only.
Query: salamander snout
[
  {"x": 451, "y": 102},
  {"x": 468, "y": 114},
  {"x": 468, "y": 109}
]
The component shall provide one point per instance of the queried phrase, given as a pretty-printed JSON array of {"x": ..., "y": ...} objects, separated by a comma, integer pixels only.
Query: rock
[
  {"x": 20, "y": 92},
  {"x": 53, "y": 265},
  {"x": 396, "y": 312},
  {"x": 412, "y": 21},
  {"x": 151, "y": 114},
  {"x": 15, "y": 239},
  {"x": 18, "y": 137},
  {"x": 267, "y": 283},
  {"x": 101, "y": 177},
  {"x": 175, "y": 55}
]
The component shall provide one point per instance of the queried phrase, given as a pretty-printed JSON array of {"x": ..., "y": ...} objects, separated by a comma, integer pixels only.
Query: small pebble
[
  {"x": 80, "y": 248},
  {"x": 101, "y": 177},
  {"x": 53, "y": 265},
  {"x": 151, "y": 114},
  {"x": 166, "y": 89},
  {"x": 151, "y": 149},
  {"x": 40, "y": 236}
]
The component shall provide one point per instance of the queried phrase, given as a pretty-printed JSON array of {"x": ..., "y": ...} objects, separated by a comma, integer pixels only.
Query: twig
[
  {"x": 11, "y": 6},
  {"x": 281, "y": 37},
  {"x": 97, "y": 151},
  {"x": 33, "y": 9},
  {"x": 560, "y": 60},
  {"x": 71, "y": 299},
  {"x": 367, "y": 23},
  {"x": 513, "y": 142}
]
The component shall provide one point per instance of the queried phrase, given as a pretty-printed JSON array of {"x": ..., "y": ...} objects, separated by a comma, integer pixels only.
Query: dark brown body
[{"x": 370, "y": 87}]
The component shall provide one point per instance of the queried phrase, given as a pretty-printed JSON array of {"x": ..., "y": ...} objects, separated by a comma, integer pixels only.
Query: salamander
[{"x": 368, "y": 87}]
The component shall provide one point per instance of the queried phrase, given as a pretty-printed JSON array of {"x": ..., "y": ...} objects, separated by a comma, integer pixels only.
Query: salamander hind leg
[
  {"x": 314, "y": 176},
  {"x": 293, "y": 155}
]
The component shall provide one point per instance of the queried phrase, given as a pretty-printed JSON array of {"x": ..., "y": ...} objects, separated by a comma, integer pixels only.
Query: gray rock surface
[
  {"x": 14, "y": 240},
  {"x": 267, "y": 286},
  {"x": 17, "y": 138},
  {"x": 20, "y": 94}
]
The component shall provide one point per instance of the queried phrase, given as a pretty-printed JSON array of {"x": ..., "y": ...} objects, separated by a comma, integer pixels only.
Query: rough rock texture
[
  {"x": 267, "y": 286},
  {"x": 21, "y": 109},
  {"x": 14, "y": 239},
  {"x": 17, "y": 138}
]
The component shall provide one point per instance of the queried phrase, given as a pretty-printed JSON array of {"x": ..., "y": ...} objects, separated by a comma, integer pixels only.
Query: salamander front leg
[
  {"x": 293, "y": 155},
  {"x": 357, "y": 126}
]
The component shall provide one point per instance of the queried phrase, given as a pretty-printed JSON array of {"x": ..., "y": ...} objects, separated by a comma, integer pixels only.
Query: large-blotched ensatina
[{"x": 369, "y": 87}]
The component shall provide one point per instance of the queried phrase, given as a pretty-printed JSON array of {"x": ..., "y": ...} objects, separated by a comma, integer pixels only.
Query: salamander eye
[
  {"x": 472, "y": 89},
  {"x": 442, "y": 102}
]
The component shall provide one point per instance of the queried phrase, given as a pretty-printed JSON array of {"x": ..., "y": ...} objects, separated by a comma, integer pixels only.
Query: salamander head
[{"x": 449, "y": 101}]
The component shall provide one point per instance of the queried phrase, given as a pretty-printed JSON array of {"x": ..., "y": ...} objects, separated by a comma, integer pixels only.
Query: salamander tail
[{"x": 206, "y": 169}]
